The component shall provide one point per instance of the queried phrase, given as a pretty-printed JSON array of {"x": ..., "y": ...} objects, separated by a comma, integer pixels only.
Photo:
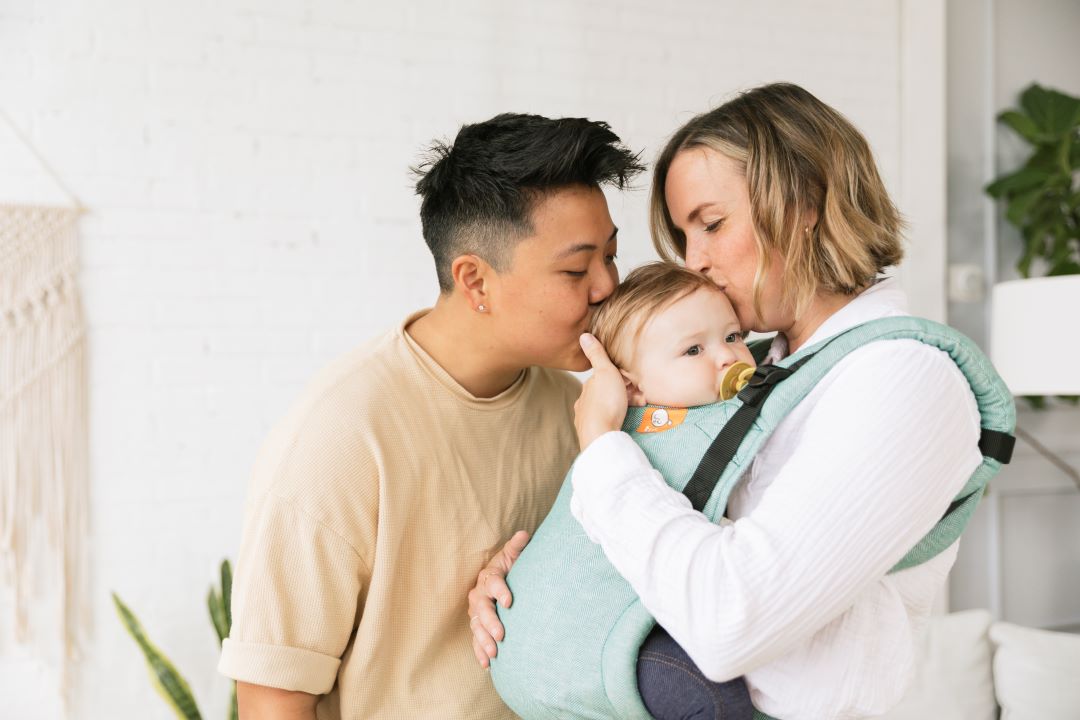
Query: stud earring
[{"x": 481, "y": 308}]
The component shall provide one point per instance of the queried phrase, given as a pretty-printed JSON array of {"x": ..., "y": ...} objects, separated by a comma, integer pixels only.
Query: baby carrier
[{"x": 575, "y": 626}]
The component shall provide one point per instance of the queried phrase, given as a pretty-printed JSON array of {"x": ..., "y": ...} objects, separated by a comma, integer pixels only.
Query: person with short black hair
[{"x": 361, "y": 527}]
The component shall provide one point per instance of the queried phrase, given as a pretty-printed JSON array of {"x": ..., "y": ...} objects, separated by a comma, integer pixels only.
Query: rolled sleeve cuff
[{"x": 278, "y": 666}]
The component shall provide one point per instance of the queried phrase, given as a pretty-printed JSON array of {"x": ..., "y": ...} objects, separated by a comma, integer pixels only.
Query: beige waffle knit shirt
[{"x": 373, "y": 505}]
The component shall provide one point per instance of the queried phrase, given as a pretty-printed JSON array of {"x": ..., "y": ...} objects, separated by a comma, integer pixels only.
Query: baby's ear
[{"x": 634, "y": 396}]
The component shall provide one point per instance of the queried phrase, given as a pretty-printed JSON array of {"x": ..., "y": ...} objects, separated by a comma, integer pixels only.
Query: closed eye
[{"x": 712, "y": 227}]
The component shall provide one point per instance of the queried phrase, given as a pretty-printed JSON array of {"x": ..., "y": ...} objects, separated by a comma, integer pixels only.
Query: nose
[
  {"x": 725, "y": 357},
  {"x": 696, "y": 257},
  {"x": 603, "y": 284}
]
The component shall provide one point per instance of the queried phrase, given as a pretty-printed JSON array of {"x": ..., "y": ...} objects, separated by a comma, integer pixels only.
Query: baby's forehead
[
  {"x": 653, "y": 325},
  {"x": 690, "y": 316}
]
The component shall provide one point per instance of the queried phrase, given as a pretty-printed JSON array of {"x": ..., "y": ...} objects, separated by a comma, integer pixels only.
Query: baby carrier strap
[
  {"x": 759, "y": 349},
  {"x": 747, "y": 430},
  {"x": 705, "y": 478}
]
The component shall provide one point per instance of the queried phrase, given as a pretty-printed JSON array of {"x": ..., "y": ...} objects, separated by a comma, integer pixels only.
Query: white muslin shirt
[{"x": 794, "y": 593}]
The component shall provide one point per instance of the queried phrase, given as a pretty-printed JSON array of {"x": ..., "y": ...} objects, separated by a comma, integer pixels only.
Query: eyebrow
[
  {"x": 694, "y": 213},
  {"x": 733, "y": 327},
  {"x": 584, "y": 247}
]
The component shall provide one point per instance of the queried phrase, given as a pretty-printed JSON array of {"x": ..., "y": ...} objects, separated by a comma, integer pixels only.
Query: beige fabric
[
  {"x": 372, "y": 508},
  {"x": 43, "y": 431}
]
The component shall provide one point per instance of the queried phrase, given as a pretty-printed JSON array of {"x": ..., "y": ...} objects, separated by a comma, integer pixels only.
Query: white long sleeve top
[{"x": 794, "y": 593}]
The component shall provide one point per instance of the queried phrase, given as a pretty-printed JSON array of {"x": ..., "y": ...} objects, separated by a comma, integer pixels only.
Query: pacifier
[{"x": 734, "y": 380}]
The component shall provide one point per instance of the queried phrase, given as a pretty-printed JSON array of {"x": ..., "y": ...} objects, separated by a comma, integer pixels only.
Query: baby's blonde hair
[
  {"x": 800, "y": 158},
  {"x": 646, "y": 290}
]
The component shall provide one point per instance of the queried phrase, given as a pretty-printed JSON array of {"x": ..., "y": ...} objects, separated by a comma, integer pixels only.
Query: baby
[{"x": 578, "y": 641}]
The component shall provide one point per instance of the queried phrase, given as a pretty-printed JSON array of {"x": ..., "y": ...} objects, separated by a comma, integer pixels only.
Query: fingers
[
  {"x": 595, "y": 352},
  {"x": 514, "y": 546},
  {"x": 484, "y": 624},
  {"x": 499, "y": 590},
  {"x": 491, "y": 586},
  {"x": 483, "y": 642},
  {"x": 481, "y": 656}
]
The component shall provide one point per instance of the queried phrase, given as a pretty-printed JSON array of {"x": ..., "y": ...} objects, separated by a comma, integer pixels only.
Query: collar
[
  {"x": 885, "y": 298},
  {"x": 439, "y": 374}
]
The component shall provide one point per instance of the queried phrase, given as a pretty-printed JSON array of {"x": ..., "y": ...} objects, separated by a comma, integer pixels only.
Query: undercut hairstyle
[
  {"x": 479, "y": 191},
  {"x": 801, "y": 158},
  {"x": 644, "y": 292}
]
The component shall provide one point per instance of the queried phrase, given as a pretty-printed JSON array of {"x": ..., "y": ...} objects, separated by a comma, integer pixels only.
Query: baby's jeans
[{"x": 674, "y": 689}]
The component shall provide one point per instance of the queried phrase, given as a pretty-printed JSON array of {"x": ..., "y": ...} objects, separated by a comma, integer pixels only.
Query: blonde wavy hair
[
  {"x": 801, "y": 158},
  {"x": 648, "y": 289}
]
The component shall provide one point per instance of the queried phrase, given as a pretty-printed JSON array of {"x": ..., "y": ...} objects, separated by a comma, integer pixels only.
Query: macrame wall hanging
[{"x": 44, "y": 495}]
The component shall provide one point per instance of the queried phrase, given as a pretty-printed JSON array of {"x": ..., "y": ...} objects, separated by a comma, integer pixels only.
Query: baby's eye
[
  {"x": 694, "y": 350},
  {"x": 733, "y": 338}
]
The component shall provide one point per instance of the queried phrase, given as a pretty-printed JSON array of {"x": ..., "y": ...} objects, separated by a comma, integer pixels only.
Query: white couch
[{"x": 973, "y": 667}]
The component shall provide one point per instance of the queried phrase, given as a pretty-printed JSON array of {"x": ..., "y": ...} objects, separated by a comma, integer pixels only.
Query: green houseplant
[
  {"x": 167, "y": 680},
  {"x": 1043, "y": 196}
]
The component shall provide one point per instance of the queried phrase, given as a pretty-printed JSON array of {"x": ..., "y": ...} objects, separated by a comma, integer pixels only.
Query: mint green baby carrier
[{"x": 575, "y": 626}]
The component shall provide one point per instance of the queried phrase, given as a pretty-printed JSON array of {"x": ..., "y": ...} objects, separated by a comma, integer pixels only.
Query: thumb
[
  {"x": 595, "y": 352},
  {"x": 515, "y": 545}
]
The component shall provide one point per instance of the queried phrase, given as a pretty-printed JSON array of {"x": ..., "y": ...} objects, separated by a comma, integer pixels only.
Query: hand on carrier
[
  {"x": 604, "y": 396},
  {"x": 491, "y": 586}
]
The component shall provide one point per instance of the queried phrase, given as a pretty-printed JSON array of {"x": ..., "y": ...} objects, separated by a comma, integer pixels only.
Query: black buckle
[{"x": 768, "y": 375}]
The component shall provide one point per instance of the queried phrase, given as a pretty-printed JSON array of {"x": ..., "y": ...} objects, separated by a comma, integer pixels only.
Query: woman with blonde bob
[{"x": 775, "y": 197}]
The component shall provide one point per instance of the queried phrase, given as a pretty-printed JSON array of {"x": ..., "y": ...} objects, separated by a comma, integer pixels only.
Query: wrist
[{"x": 592, "y": 432}]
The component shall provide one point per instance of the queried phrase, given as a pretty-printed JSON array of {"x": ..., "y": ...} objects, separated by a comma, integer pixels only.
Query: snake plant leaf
[
  {"x": 226, "y": 594},
  {"x": 225, "y": 603},
  {"x": 168, "y": 682},
  {"x": 217, "y": 615}
]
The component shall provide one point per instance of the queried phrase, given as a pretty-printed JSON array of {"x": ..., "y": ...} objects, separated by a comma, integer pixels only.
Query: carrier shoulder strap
[
  {"x": 702, "y": 483},
  {"x": 759, "y": 348},
  {"x": 993, "y": 444}
]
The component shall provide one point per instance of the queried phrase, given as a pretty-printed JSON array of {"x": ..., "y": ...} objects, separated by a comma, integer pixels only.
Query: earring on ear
[{"x": 481, "y": 308}]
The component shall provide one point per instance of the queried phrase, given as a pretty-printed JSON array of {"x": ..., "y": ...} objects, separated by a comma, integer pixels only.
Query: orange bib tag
[{"x": 658, "y": 419}]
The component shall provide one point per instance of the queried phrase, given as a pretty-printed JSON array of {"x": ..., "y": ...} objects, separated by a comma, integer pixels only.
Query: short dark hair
[{"x": 478, "y": 192}]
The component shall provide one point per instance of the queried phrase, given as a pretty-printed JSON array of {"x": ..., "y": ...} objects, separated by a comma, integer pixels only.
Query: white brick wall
[{"x": 246, "y": 165}]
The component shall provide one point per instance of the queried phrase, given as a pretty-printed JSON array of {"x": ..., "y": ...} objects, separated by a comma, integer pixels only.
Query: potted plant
[
  {"x": 1042, "y": 200},
  {"x": 169, "y": 683},
  {"x": 1043, "y": 196}
]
